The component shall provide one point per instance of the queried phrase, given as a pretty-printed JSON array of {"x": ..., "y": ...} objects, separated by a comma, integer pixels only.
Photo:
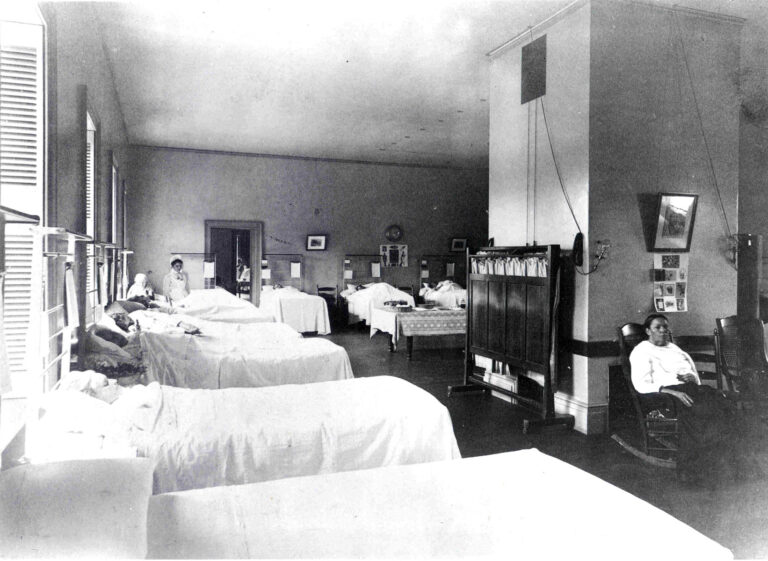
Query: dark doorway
[
  {"x": 230, "y": 239},
  {"x": 229, "y": 245}
]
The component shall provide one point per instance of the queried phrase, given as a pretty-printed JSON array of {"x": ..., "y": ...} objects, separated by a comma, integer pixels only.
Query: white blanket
[
  {"x": 202, "y": 438},
  {"x": 446, "y": 294},
  {"x": 234, "y": 436},
  {"x": 219, "y": 305},
  {"x": 361, "y": 303},
  {"x": 210, "y": 362},
  {"x": 521, "y": 505},
  {"x": 304, "y": 312},
  {"x": 234, "y": 355}
]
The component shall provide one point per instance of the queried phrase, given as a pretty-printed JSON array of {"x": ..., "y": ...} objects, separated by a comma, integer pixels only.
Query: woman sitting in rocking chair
[{"x": 709, "y": 435}]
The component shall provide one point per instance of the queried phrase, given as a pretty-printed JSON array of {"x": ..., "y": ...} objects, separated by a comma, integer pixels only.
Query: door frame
[{"x": 256, "y": 229}]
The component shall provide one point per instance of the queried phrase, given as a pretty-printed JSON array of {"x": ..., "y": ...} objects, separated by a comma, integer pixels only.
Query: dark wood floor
[{"x": 735, "y": 514}]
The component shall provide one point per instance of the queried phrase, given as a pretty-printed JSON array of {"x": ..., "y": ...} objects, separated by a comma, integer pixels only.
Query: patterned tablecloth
[
  {"x": 432, "y": 322},
  {"x": 418, "y": 323}
]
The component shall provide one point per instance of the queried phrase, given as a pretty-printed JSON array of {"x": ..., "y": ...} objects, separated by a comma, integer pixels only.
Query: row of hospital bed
[{"x": 247, "y": 440}]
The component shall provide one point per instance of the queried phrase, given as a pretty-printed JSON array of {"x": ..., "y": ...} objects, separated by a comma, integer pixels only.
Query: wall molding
[
  {"x": 302, "y": 158},
  {"x": 610, "y": 348}
]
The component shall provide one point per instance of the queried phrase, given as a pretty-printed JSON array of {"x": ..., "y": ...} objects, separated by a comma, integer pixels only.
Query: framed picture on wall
[
  {"x": 316, "y": 243},
  {"x": 458, "y": 244},
  {"x": 674, "y": 227}
]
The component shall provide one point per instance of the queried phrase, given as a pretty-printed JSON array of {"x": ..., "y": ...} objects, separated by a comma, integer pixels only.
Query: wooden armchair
[
  {"x": 407, "y": 289},
  {"x": 659, "y": 434},
  {"x": 741, "y": 358},
  {"x": 329, "y": 293}
]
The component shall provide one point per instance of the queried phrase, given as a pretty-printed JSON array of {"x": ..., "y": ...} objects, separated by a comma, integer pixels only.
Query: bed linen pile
[
  {"x": 360, "y": 303},
  {"x": 304, "y": 312},
  {"x": 219, "y": 305},
  {"x": 446, "y": 294}
]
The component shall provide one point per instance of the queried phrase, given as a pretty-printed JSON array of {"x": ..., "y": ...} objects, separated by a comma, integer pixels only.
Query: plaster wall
[
  {"x": 526, "y": 200},
  {"x": 648, "y": 125},
  {"x": 174, "y": 191},
  {"x": 647, "y": 138}
]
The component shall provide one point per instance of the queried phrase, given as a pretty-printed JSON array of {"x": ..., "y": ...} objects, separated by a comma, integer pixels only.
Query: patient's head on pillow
[
  {"x": 82, "y": 381},
  {"x": 144, "y": 300},
  {"x": 123, "y": 321},
  {"x": 110, "y": 335},
  {"x": 131, "y": 306},
  {"x": 91, "y": 383}
]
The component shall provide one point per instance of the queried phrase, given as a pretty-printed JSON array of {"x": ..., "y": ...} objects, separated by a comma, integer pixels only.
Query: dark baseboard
[{"x": 607, "y": 348}]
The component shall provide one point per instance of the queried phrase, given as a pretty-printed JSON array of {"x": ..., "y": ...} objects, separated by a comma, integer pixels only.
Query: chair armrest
[{"x": 657, "y": 400}]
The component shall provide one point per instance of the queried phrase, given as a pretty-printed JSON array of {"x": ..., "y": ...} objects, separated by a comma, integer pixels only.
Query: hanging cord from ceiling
[
  {"x": 602, "y": 254},
  {"x": 701, "y": 126},
  {"x": 663, "y": 116},
  {"x": 535, "y": 164},
  {"x": 528, "y": 170}
]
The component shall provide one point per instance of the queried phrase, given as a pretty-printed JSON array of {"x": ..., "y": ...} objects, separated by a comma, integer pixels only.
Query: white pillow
[
  {"x": 368, "y": 284},
  {"x": 79, "y": 508},
  {"x": 352, "y": 287},
  {"x": 74, "y": 411},
  {"x": 267, "y": 288}
]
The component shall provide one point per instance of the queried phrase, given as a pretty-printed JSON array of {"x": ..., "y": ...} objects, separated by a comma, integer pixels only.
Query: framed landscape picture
[
  {"x": 316, "y": 243},
  {"x": 674, "y": 227}
]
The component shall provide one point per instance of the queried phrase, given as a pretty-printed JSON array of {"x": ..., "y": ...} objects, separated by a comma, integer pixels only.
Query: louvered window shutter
[
  {"x": 91, "y": 286},
  {"x": 21, "y": 177}
]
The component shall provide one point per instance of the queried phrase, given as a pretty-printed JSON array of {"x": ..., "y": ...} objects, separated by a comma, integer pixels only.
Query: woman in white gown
[
  {"x": 176, "y": 282},
  {"x": 140, "y": 287}
]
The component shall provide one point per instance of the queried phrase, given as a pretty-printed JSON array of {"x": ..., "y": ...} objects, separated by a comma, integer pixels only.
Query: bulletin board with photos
[{"x": 670, "y": 282}]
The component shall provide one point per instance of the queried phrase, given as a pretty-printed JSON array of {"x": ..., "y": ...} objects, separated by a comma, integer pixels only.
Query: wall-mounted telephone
[{"x": 578, "y": 250}]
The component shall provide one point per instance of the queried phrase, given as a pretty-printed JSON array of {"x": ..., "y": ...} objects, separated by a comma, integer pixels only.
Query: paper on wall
[
  {"x": 375, "y": 269},
  {"x": 670, "y": 282},
  {"x": 348, "y": 274},
  {"x": 295, "y": 269},
  {"x": 449, "y": 269},
  {"x": 209, "y": 269},
  {"x": 266, "y": 274}
]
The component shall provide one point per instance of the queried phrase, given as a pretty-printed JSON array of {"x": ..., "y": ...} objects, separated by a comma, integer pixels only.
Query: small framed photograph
[
  {"x": 670, "y": 261},
  {"x": 674, "y": 228},
  {"x": 680, "y": 289},
  {"x": 316, "y": 243},
  {"x": 459, "y": 244}
]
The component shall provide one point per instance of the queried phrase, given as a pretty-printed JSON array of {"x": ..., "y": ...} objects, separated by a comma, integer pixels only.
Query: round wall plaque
[{"x": 393, "y": 233}]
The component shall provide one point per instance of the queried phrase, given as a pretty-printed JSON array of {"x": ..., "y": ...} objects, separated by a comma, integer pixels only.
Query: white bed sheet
[
  {"x": 203, "y": 438},
  {"x": 219, "y": 305},
  {"x": 522, "y": 505},
  {"x": 361, "y": 303},
  {"x": 238, "y": 355},
  {"x": 447, "y": 294},
  {"x": 304, "y": 312}
]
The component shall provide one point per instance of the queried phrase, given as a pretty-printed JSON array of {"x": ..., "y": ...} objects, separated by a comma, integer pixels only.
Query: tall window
[{"x": 22, "y": 143}]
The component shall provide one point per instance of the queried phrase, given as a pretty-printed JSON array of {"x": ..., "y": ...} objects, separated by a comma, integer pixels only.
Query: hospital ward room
[{"x": 464, "y": 279}]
